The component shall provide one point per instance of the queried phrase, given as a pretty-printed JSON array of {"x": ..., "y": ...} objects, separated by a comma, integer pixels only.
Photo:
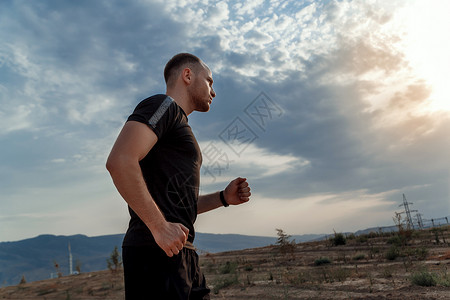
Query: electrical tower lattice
[{"x": 407, "y": 211}]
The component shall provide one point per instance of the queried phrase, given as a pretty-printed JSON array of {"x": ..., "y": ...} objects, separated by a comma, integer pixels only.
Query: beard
[
  {"x": 198, "y": 99},
  {"x": 201, "y": 105}
]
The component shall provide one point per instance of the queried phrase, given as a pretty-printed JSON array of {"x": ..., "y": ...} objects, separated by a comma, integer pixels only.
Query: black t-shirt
[{"x": 171, "y": 169}]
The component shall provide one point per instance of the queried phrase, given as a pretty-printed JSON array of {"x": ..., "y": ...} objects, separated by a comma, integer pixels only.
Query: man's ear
[{"x": 186, "y": 75}]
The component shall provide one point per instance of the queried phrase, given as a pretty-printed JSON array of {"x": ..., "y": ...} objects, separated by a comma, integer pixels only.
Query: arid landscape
[{"x": 402, "y": 265}]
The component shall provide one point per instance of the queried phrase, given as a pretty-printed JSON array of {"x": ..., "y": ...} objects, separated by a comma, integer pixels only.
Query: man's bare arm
[
  {"x": 132, "y": 145},
  {"x": 237, "y": 192},
  {"x": 208, "y": 202}
]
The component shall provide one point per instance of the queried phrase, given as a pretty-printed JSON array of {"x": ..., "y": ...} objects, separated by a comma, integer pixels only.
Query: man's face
[{"x": 201, "y": 90}]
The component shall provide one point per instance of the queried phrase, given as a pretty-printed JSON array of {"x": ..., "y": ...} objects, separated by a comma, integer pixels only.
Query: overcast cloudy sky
[{"x": 331, "y": 109}]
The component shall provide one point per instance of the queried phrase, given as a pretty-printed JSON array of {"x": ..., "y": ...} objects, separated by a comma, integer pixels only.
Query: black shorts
[{"x": 150, "y": 274}]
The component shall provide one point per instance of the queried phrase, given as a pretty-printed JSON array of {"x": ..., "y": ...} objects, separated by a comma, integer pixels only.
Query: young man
[{"x": 155, "y": 165}]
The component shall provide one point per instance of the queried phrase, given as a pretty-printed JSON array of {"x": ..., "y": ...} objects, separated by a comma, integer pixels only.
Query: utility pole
[{"x": 70, "y": 261}]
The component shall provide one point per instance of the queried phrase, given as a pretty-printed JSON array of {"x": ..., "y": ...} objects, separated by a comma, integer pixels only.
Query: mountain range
[{"x": 35, "y": 258}]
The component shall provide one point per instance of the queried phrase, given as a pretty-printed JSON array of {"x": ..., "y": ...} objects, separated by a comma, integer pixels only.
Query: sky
[{"x": 331, "y": 109}]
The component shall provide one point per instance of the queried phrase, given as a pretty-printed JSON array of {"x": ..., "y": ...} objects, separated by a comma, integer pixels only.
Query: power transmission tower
[
  {"x": 408, "y": 212},
  {"x": 419, "y": 220}
]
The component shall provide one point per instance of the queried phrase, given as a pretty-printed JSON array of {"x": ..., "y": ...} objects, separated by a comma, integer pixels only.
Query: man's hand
[
  {"x": 237, "y": 191},
  {"x": 170, "y": 237}
]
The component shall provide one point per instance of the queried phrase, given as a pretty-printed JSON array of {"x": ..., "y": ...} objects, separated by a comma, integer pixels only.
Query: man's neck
[{"x": 181, "y": 100}]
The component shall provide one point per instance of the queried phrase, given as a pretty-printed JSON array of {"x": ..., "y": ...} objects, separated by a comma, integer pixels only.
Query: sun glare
[{"x": 426, "y": 24}]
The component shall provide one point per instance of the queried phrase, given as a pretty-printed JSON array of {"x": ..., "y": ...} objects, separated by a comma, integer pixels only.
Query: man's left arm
[{"x": 237, "y": 192}]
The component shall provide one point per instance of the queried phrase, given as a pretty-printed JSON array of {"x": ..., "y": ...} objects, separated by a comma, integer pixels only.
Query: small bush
[
  {"x": 372, "y": 235},
  {"x": 423, "y": 278},
  {"x": 322, "y": 261},
  {"x": 387, "y": 272},
  {"x": 392, "y": 253},
  {"x": 248, "y": 267},
  {"x": 362, "y": 239},
  {"x": 359, "y": 257},
  {"x": 228, "y": 268},
  {"x": 338, "y": 239},
  {"x": 351, "y": 236},
  {"x": 397, "y": 240},
  {"x": 444, "y": 279},
  {"x": 421, "y": 253}
]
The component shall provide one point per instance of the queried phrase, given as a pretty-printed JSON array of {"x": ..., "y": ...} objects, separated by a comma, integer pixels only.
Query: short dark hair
[{"x": 178, "y": 61}]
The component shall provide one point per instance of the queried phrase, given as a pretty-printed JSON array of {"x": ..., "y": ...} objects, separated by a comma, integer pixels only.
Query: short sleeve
[{"x": 157, "y": 112}]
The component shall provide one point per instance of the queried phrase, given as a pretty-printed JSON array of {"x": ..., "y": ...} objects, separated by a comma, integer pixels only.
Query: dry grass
[{"x": 357, "y": 270}]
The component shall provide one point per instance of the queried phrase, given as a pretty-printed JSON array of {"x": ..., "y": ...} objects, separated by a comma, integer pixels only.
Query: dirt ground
[{"x": 375, "y": 266}]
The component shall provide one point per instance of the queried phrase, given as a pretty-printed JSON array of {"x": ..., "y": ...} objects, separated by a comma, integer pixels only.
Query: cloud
[
  {"x": 221, "y": 163},
  {"x": 258, "y": 37},
  {"x": 314, "y": 213},
  {"x": 355, "y": 131},
  {"x": 217, "y": 14},
  {"x": 247, "y": 8}
]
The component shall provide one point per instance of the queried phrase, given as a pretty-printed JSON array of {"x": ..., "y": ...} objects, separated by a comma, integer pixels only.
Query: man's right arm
[{"x": 132, "y": 145}]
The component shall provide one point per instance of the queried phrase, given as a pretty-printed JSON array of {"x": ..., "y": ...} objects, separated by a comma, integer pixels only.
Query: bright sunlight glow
[{"x": 428, "y": 47}]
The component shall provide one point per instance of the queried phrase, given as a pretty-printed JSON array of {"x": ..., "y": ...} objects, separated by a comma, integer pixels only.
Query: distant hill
[
  {"x": 34, "y": 258},
  {"x": 208, "y": 242}
]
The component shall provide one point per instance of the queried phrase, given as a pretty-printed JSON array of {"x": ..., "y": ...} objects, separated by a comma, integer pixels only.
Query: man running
[{"x": 155, "y": 165}]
